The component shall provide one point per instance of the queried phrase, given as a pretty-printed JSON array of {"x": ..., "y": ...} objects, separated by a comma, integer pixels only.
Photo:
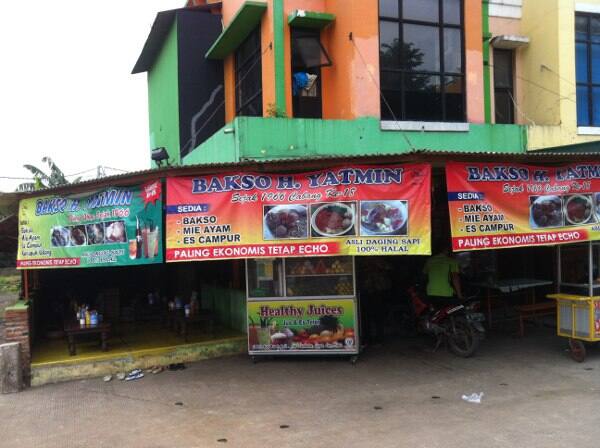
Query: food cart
[
  {"x": 302, "y": 306},
  {"x": 578, "y": 295}
]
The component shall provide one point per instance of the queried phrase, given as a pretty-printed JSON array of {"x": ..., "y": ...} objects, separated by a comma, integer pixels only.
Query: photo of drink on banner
[
  {"x": 355, "y": 210},
  {"x": 112, "y": 227},
  {"x": 499, "y": 205}
]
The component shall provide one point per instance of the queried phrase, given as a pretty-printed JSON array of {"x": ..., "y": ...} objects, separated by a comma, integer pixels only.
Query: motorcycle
[{"x": 458, "y": 325}]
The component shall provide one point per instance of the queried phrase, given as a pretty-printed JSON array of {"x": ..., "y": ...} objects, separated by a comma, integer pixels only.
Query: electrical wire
[
  {"x": 385, "y": 101},
  {"x": 66, "y": 175}
]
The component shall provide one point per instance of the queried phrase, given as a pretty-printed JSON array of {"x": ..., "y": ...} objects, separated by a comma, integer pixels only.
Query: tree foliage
[{"x": 53, "y": 177}]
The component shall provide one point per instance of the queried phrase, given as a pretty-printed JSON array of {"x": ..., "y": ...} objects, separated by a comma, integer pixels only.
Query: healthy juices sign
[
  {"x": 495, "y": 205},
  {"x": 302, "y": 326},
  {"x": 357, "y": 210},
  {"x": 111, "y": 227}
]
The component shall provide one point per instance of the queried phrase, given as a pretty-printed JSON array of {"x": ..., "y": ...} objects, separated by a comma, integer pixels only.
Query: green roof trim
[
  {"x": 310, "y": 19},
  {"x": 246, "y": 19}
]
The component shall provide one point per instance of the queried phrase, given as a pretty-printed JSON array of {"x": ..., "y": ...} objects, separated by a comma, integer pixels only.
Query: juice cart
[
  {"x": 302, "y": 306},
  {"x": 578, "y": 296}
]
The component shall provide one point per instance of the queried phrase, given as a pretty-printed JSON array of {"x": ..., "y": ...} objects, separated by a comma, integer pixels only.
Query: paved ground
[{"x": 535, "y": 396}]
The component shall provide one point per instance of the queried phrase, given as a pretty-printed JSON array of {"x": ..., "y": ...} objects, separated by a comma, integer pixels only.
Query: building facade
[
  {"x": 555, "y": 64},
  {"x": 385, "y": 77}
]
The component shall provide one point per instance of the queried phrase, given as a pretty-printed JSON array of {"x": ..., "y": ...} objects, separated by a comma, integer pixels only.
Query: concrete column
[
  {"x": 11, "y": 371},
  {"x": 16, "y": 329}
]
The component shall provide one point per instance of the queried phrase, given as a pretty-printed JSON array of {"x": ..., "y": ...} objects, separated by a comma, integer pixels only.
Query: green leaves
[{"x": 53, "y": 178}]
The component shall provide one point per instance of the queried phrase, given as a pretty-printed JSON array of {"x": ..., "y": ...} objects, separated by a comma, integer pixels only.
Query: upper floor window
[
  {"x": 248, "y": 77},
  {"x": 587, "y": 63},
  {"x": 308, "y": 56},
  {"x": 421, "y": 60},
  {"x": 503, "y": 86}
]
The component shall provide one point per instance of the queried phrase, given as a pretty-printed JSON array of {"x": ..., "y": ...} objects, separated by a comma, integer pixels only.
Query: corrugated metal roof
[{"x": 261, "y": 164}]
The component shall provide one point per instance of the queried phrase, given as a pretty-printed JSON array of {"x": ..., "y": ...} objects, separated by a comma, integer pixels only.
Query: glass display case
[
  {"x": 300, "y": 277},
  {"x": 302, "y": 306},
  {"x": 578, "y": 269}
]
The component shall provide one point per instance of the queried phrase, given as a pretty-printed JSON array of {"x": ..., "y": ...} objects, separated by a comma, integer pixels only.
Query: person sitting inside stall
[{"x": 443, "y": 278}]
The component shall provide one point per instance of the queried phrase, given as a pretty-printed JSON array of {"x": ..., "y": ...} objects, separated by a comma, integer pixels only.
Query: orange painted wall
[
  {"x": 289, "y": 7},
  {"x": 343, "y": 83},
  {"x": 474, "y": 61},
  {"x": 350, "y": 85},
  {"x": 229, "y": 10},
  {"x": 353, "y": 92}
]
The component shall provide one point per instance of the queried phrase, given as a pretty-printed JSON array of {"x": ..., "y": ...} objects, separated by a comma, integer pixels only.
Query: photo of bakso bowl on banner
[
  {"x": 597, "y": 205},
  {"x": 60, "y": 236},
  {"x": 545, "y": 211},
  {"x": 95, "y": 233},
  {"x": 78, "y": 236},
  {"x": 332, "y": 220},
  {"x": 383, "y": 217},
  {"x": 579, "y": 209},
  {"x": 285, "y": 222},
  {"x": 115, "y": 232}
]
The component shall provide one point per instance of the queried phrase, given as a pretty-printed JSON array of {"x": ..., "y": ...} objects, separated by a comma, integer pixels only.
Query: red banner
[
  {"x": 499, "y": 205},
  {"x": 355, "y": 210}
]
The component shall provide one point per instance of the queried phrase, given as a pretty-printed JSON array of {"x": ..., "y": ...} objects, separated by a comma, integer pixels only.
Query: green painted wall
[
  {"x": 229, "y": 305},
  {"x": 487, "y": 99},
  {"x": 279, "y": 54},
  {"x": 272, "y": 138},
  {"x": 163, "y": 98},
  {"x": 221, "y": 147}
]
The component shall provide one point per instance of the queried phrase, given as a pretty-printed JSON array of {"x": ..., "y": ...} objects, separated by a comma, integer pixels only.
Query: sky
[{"x": 66, "y": 88}]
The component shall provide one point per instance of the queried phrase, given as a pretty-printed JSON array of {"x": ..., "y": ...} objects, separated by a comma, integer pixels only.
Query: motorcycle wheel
[{"x": 463, "y": 340}]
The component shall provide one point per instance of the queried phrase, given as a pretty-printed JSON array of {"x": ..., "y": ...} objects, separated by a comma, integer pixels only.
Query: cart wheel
[
  {"x": 577, "y": 350},
  {"x": 254, "y": 360},
  {"x": 353, "y": 360}
]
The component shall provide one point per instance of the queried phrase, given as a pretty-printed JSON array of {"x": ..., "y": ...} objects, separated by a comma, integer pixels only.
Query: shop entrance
[{"x": 156, "y": 314}]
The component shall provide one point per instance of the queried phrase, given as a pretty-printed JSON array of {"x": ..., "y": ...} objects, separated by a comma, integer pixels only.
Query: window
[
  {"x": 308, "y": 56},
  {"x": 422, "y": 60},
  {"x": 503, "y": 86},
  {"x": 248, "y": 77},
  {"x": 587, "y": 67}
]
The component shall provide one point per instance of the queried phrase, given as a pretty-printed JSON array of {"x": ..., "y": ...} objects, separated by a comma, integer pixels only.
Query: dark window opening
[
  {"x": 587, "y": 68},
  {"x": 308, "y": 56},
  {"x": 503, "y": 86},
  {"x": 248, "y": 77},
  {"x": 421, "y": 60}
]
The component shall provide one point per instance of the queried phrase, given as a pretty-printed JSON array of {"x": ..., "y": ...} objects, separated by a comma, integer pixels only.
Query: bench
[{"x": 534, "y": 310}]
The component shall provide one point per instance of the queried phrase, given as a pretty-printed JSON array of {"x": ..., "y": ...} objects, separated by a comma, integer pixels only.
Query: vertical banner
[
  {"x": 500, "y": 205},
  {"x": 118, "y": 226},
  {"x": 354, "y": 210}
]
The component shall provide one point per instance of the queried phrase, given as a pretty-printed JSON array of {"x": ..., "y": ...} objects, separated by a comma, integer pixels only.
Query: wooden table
[
  {"x": 507, "y": 287},
  {"x": 178, "y": 321},
  {"x": 75, "y": 329}
]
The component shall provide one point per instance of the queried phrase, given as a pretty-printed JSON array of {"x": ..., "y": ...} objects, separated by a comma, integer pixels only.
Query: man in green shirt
[{"x": 443, "y": 278}]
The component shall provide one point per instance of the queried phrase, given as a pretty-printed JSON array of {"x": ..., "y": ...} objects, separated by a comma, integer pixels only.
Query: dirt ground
[{"x": 398, "y": 395}]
